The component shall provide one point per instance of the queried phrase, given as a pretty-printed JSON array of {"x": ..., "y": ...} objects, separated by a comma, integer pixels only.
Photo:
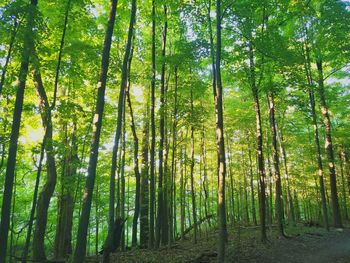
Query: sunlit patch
[{"x": 31, "y": 135}]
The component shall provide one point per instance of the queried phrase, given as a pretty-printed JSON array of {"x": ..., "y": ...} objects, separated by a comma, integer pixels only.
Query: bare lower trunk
[
  {"x": 276, "y": 163},
  {"x": 307, "y": 66},
  {"x": 161, "y": 233},
  {"x": 63, "y": 239},
  {"x": 144, "y": 191},
  {"x": 220, "y": 142},
  {"x": 17, "y": 114},
  {"x": 110, "y": 245},
  {"x": 193, "y": 193},
  {"x": 329, "y": 146},
  {"x": 80, "y": 250},
  {"x": 153, "y": 134},
  {"x": 259, "y": 145},
  {"x": 49, "y": 186}
]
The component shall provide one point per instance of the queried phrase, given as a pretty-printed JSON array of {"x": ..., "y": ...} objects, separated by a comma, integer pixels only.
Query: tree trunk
[
  {"x": 341, "y": 161},
  {"x": 259, "y": 144},
  {"x": 144, "y": 194},
  {"x": 252, "y": 186},
  {"x": 161, "y": 234},
  {"x": 136, "y": 163},
  {"x": 110, "y": 245},
  {"x": 291, "y": 214},
  {"x": 193, "y": 194},
  {"x": 80, "y": 250},
  {"x": 58, "y": 67},
  {"x": 230, "y": 174},
  {"x": 34, "y": 203},
  {"x": 307, "y": 66},
  {"x": 122, "y": 185},
  {"x": 270, "y": 214},
  {"x": 173, "y": 162},
  {"x": 28, "y": 48},
  {"x": 220, "y": 142},
  {"x": 63, "y": 239},
  {"x": 205, "y": 179},
  {"x": 153, "y": 133},
  {"x": 329, "y": 146},
  {"x": 49, "y": 187},
  {"x": 13, "y": 248},
  {"x": 182, "y": 195},
  {"x": 276, "y": 163}
]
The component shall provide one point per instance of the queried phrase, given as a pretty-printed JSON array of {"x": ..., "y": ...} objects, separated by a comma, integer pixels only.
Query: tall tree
[
  {"x": 153, "y": 132},
  {"x": 49, "y": 186},
  {"x": 259, "y": 142},
  {"x": 144, "y": 191},
  {"x": 220, "y": 142},
  {"x": 79, "y": 253},
  {"x": 193, "y": 193},
  {"x": 276, "y": 163},
  {"x": 328, "y": 145},
  {"x": 28, "y": 48},
  {"x": 162, "y": 231},
  {"x": 308, "y": 73},
  {"x": 110, "y": 243}
]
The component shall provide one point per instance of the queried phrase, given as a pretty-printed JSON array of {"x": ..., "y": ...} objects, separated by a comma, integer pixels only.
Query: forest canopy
[{"x": 141, "y": 123}]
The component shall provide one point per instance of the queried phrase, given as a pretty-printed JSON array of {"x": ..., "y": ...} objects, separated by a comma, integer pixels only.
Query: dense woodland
[{"x": 139, "y": 123}]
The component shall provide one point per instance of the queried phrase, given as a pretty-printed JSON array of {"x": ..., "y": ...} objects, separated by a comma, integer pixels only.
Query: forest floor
[{"x": 303, "y": 245}]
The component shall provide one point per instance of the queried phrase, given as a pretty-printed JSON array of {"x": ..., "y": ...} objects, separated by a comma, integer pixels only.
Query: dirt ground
[{"x": 303, "y": 245}]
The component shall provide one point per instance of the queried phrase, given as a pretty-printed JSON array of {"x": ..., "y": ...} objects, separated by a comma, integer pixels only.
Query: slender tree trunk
[
  {"x": 270, "y": 218},
  {"x": 316, "y": 136},
  {"x": 58, "y": 67},
  {"x": 252, "y": 186},
  {"x": 161, "y": 234},
  {"x": 220, "y": 142},
  {"x": 80, "y": 250},
  {"x": 291, "y": 214},
  {"x": 49, "y": 186},
  {"x": 110, "y": 243},
  {"x": 173, "y": 161},
  {"x": 166, "y": 181},
  {"x": 182, "y": 196},
  {"x": 28, "y": 48},
  {"x": 276, "y": 163},
  {"x": 136, "y": 163},
  {"x": 245, "y": 185},
  {"x": 34, "y": 202},
  {"x": 97, "y": 219},
  {"x": 329, "y": 146},
  {"x": 12, "y": 248},
  {"x": 205, "y": 179},
  {"x": 144, "y": 195},
  {"x": 193, "y": 194},
  {"x": 212, "y": 50},
  {"x": 122, "y": 185},
  {"x": 341, "y": 162},
  {"x": 230, "y": 170},
  {"x": 153, "y": 132},
  {"x": 259, "y": 145}
]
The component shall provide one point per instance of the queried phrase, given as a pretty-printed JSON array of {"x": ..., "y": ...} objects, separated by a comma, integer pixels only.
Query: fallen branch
[{"x": 199, "y": 222}]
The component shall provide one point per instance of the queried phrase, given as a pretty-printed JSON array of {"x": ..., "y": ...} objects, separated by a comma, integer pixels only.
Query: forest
[{"x": 175, "y": 131}]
